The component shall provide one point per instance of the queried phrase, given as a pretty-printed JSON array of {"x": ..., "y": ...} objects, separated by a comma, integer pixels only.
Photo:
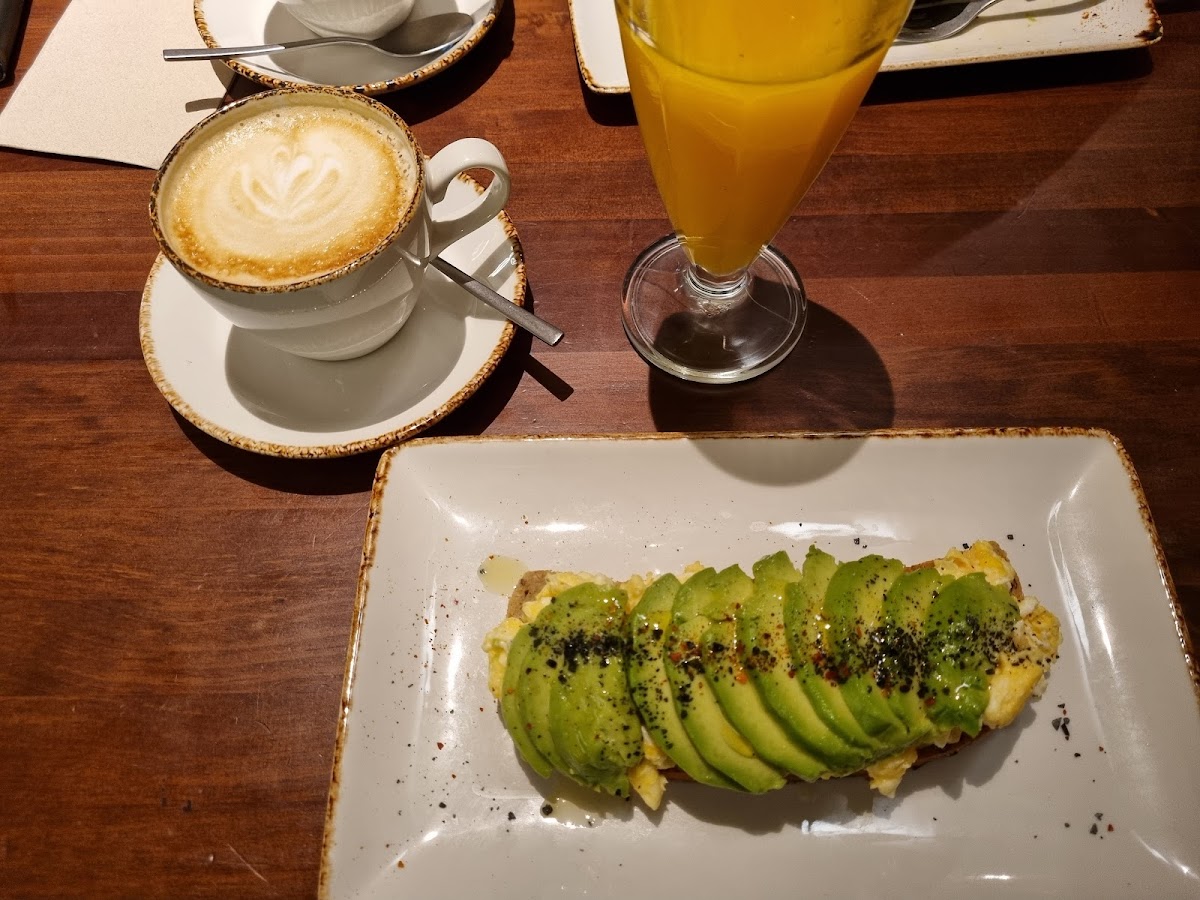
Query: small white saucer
[
  {"x": 231, "y": 385},
  {"x": 238, "y": 23}
]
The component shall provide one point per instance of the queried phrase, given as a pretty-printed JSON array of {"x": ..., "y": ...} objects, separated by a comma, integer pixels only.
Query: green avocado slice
[
  {"x": 899, "y": 645},
  {"x": 536, "y": 680},
  {"x": 593, "y": 723},
  {"x": 802, "y": 615},
  {"x": 717, "y": 741},
  {"x": 510, "y": 705},
  {"x": 968, "y": 625},
  {"x": 853, "y": 602},
  {"x": 651, "y": 689},
  {"x": 762, "y": 635},
  {"x": 744, "y": 706}
]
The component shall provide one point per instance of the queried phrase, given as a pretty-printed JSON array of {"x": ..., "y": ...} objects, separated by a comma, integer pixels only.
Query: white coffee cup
[
  {"x": 350, "y": 18},
  {"x": 308, "y": 216}
]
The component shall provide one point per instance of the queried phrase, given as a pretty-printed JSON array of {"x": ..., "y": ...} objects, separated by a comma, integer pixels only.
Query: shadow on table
[
  {"x": 976, "y": 188},
  {"x": 833, "y": 381},
  {"x": 345, "y": 475},
  {"x": 608, "y": 109},
  {"x": 1009, "y": 76},
  {"x": 941, "y": 82},
  {"x": 447, "y": 89}
]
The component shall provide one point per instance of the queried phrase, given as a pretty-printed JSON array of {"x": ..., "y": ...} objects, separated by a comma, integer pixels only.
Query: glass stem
[{"x": 715, "y": 294}]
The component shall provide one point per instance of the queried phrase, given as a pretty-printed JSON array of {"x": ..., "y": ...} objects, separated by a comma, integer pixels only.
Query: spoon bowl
[
  {"x": 414, "y": 38},
  {"x": 940, "y": 19}
]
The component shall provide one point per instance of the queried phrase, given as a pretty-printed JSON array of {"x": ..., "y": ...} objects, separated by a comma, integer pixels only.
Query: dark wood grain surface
[{"x": 1002, "y": 244}]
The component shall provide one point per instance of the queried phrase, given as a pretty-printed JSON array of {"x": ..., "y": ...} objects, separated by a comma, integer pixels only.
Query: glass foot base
[{"x": 711, "y": 337}]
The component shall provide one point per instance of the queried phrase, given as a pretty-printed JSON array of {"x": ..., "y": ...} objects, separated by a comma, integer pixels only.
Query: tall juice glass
[{"x": 740, "y": 104}]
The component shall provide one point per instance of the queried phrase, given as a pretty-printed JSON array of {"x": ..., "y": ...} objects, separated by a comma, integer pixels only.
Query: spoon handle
[
  {"x": 252, "y": 50},
  {"x": 519, "y": 315}
]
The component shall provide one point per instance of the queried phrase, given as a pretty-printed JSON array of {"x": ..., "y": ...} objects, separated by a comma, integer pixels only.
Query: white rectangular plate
[
  {"x": 428, "y": 799},
  {"x": 1012, "y": 29}
]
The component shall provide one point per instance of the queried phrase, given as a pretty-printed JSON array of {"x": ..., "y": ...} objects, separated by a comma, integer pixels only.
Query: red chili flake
[
  {"x": 929, "y": 701},
  {"x": 740, "y": 678},
  {"x": 675, "y": 656},
  {"x": 1110, "y": 827},
  {"x": 399, "y": 864},
  {"x": 440, "y": 745}
]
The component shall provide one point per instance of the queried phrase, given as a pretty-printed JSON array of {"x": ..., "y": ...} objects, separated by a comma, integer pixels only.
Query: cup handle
[{"x": 467, "y": 153}]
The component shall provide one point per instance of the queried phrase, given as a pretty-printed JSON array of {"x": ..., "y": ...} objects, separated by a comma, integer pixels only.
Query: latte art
[
  {"x": 294, "y": 184},
  {"x": 287, "y": 195}
]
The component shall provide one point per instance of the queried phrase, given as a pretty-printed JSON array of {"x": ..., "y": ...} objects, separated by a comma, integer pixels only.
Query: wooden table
[{"x": 1005, "y": 244}]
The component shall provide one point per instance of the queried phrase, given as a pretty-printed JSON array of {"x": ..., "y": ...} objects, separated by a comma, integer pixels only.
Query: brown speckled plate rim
[
  {"x": 588, "y": 79},
  {"x": 1149, "y": 35},
  {"x": 383, "y": 470},
  {"x": 371, "y": 88},
  {"x": 351, "y": 448}
]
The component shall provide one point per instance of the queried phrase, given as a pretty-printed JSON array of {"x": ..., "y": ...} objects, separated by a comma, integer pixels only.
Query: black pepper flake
[
  {"x": 441, "y": 806},
  {"x": 1077, "y": 755},
  {"x": 857, "y": 540},
  {"x": 547, "y": 809},
  {"x": 512, "y": 816},
  {"x": 1093, "y": 829},
  {"x": 1099, "y": 816}
]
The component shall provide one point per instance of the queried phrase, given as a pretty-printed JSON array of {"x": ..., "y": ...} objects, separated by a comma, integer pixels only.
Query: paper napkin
[{"x": 100, "y": 88}]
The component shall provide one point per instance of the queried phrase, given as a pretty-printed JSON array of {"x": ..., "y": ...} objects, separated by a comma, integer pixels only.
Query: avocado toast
[{"x": 746, "y": 681}]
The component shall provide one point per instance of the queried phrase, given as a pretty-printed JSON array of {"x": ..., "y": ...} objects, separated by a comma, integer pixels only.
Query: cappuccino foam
[{"x": 286, "y": 195}]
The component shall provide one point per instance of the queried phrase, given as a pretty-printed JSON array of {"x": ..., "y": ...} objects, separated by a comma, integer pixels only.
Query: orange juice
[{"x": 740, "y": 104}]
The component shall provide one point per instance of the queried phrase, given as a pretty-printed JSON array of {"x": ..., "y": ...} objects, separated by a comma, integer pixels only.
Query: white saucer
[
  {"x": 229, "y": 384},
  {"x": 238, "y": 23}
]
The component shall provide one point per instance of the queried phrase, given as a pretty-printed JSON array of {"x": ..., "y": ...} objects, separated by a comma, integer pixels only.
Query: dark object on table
[{"x": 10, "y": 24}]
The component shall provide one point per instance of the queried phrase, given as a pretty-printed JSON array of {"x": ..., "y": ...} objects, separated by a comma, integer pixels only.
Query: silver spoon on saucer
[
  {"x": 415, "y": 37},
  {"x": 518, "y": 315}
]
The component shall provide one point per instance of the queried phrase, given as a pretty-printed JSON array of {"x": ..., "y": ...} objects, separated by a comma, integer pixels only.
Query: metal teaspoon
[{"x": 415, "y": 37}]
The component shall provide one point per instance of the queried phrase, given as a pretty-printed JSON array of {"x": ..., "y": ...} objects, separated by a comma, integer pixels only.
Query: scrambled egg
[{"x": 885, "y": 775}]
